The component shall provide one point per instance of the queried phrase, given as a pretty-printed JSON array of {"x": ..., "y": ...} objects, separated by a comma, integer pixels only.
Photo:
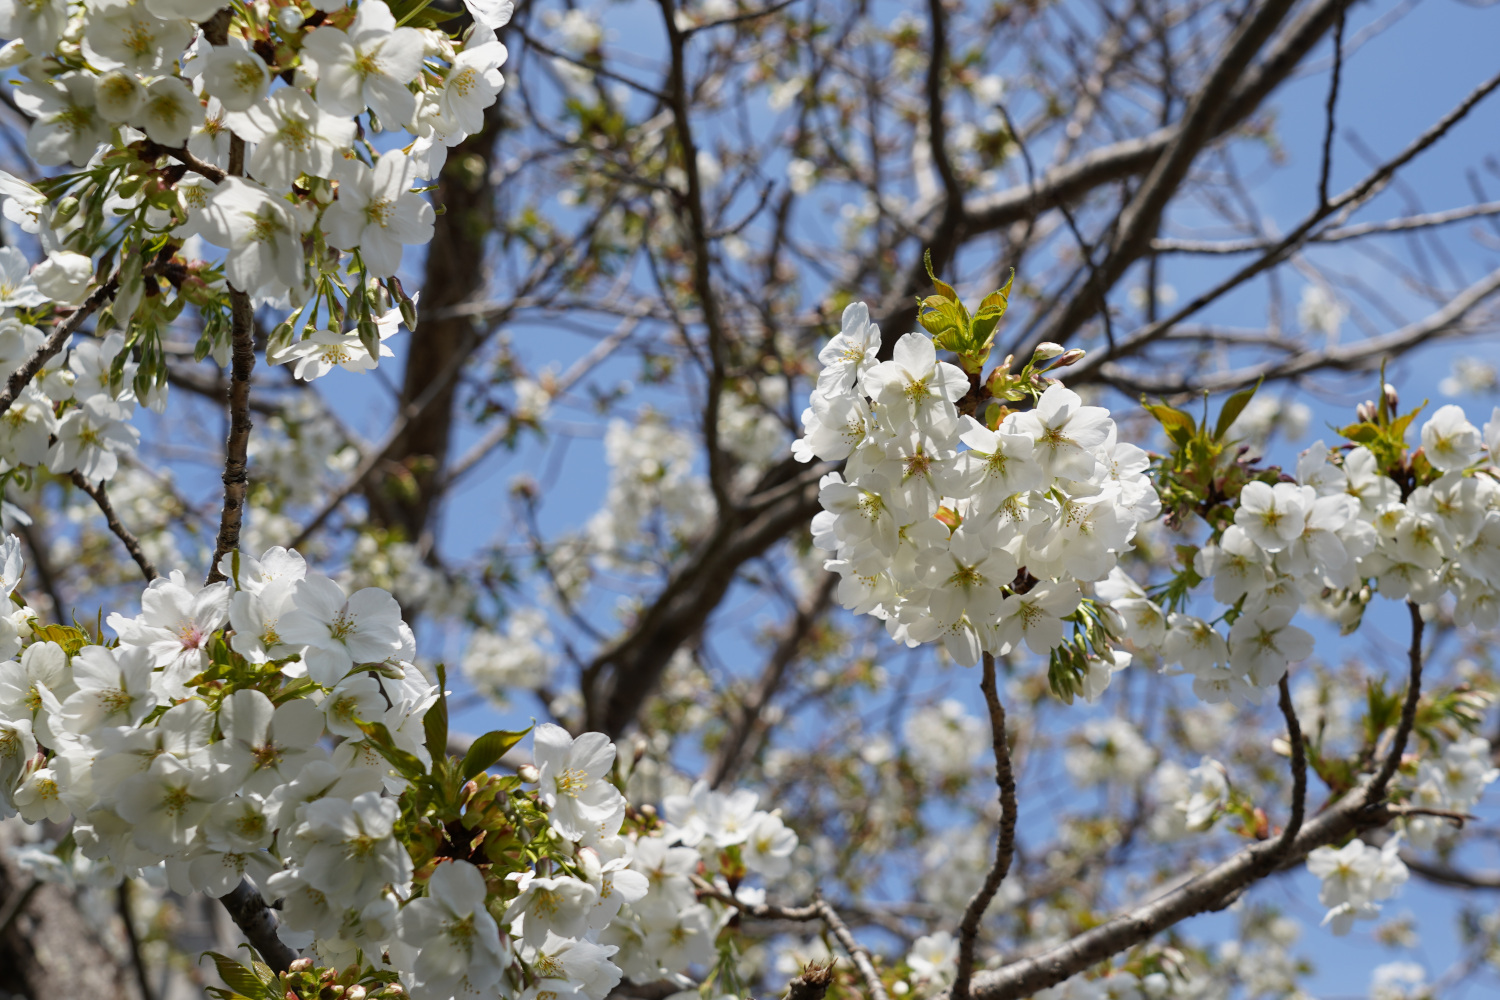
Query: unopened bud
[
  {"x": 529, "y": 774},
  {"x": 1046, "y": 351},
  {"x": 300, "y": 965},
  {"x": 393, "y": 989},
  {"x": 1392, "y": 401},
  {"x": 355, "y": 992},
  {"x": 1068, "y": 358},
  {"x": 66, "y": 209},
  {"x": 409, "y": 314},
  {"x": 949, "y": 517},
  {"x": 470, "y": 787},
  {"x": 1365, "y": 411}
]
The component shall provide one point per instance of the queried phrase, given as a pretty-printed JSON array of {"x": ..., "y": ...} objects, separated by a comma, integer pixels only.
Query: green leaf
[
  {"x": 407, "y": 764},
  {"x": 238, "y": 978},
  {"x": 488, "y": 749},
  {"x": 435, "y": 722},
  {"x": 944, "y": 289},
  {"x": 1180, "y": 426},
  {"x": 1233, "y": 407},
  {"x": 991, "y": 310}
]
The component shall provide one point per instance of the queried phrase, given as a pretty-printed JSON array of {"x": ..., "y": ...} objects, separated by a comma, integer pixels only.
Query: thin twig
[
  {"x": 1005, "y": 843},
  {"x": 54, "y": 343},
  {"x": 132, "y": 544},
  {"x": 1333, "y": 99},
  {"x": 137, "y": 960},
  {"x": 750, "y": 15},
  {"x": 1333, "y": 235},
  {"x": 1408, "y": 710},
  {"x": 1299, "y": 768},
  {"x": 857, "y": 951}
]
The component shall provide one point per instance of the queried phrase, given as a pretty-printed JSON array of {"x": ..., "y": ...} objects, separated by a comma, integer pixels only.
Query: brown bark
[{"x": 454, "y": 273}]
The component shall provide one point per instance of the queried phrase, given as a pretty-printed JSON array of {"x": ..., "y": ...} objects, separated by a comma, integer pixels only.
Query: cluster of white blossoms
[
  {"x": 1452, "y": 783},
  {"x": 1356, "y": 877},
  {"x": 211, "y": 752},
  {"x": 73, "y": 417},
  {"x": 1188, "y": 799},
  {"x": 258, "y": 129},
  {"x": 952, "y": 530},
  {"x": 272, "y": 730},
  {"x": 1342, "y": 526}
]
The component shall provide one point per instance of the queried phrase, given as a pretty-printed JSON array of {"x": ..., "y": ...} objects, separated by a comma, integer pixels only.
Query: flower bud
[
  {"x": 1392, "y": 401},
  {"x": 300, "y": 965},
  {"x": 470, "y": 787},
  {"x": 1046, "y": 351},
  {"x": 529, "y": 774},
  {"x": 65, "y": 210},
  {"x": 355, "y": 992},
  {"x": 289, "y": 20},
  {"x": 1365, "y": 411},
  {"x": 1068, "y": 358}
]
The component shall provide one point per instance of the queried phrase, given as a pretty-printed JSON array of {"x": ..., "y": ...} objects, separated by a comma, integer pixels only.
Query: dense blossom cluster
[
  {"x": 1337, "y": 531},
  {"x": 952, "y": 530},
  {"x": 272, "y": 729},
  {"x": 146, "y": 104}
]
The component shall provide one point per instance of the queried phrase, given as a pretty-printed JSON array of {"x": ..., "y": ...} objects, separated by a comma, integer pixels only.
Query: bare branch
[
  {"x": 1005, "y": 842},
  {"x": 1334, "y": 235},
  {"x": 1299, "y": 767},
  {"x": 732, "y": 750},
  {"x": 237, "y": 444},
  {"x": 22, "y": 376},
  {"x": 1333, "y": 100},
  {"x": 125, "y": 535},
  {"x": 857, "y": 951},
  {"x": 257, "y": 922}
]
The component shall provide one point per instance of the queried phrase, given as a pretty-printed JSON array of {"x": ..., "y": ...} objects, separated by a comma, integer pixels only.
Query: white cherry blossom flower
[
  {"x": 1449, "y": 441},
  {"x": 292, "y": 136},
  {"x": 369, "y": 65},
  {"x": 377, "y": 212},
  {"x": 574, "y": 779},
  {"x": 460, "y": 951},
  {"x": 235, "y": 75},
  {"x": 340, "y": 631},
  {"x": 851, "y": 353},
  {"x": 263, "y": 235}
]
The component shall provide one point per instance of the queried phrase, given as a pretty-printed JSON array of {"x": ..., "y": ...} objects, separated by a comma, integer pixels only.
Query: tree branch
[
  {"x": 1005, "y": 843},
  {"x": 237, "y": 444},
  {"x": 732, "y": 750},
  {"x": 857, "y": 951},
  {"x": 1299, "y": 767},
  {"x": 257, "y": 922},
  {"x": 55, "y": 342},
  {"x": 697, "y": 231},
  {"x": 127, "y": 538}
]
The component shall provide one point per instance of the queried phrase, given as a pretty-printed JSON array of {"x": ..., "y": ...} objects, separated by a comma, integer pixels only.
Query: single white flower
[
  {"x": 369, "y": 65},
  {"x": 377, "y": 213}
]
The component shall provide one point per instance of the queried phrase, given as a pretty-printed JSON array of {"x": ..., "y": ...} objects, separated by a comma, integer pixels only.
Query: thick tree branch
[
  {"x": 1005, "y": 842},
  {"x": 257, "y": 922},
  {"x": 1139, "y": 220}
]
